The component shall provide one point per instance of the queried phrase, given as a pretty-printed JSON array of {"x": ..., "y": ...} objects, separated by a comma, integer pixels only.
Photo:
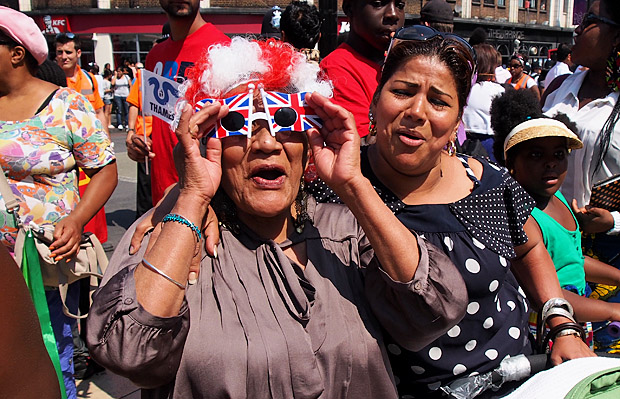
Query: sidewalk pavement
[{"x": 105, "y": 385}]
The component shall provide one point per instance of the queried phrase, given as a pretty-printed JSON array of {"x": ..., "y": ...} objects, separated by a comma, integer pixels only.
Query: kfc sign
[{"x": 53, "y": 25}]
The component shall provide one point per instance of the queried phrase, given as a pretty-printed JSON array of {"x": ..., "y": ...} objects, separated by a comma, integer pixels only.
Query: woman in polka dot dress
[{"x": 470, "y": 208}]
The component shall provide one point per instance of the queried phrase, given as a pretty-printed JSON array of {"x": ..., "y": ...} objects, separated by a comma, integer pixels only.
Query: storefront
[{"x": 111, "y": 36}]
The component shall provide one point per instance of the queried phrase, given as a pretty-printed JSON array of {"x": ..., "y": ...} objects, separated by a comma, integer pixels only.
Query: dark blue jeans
[
  {"x": 62, "y": 325},
  {"x": 121, "y": 108}
]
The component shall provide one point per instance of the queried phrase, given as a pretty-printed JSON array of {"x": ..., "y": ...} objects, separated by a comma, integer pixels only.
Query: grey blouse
[{"x": 256, "y": 325}]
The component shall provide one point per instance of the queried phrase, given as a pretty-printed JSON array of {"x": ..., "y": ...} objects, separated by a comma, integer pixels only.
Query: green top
[{"x": 564, "y": 246}]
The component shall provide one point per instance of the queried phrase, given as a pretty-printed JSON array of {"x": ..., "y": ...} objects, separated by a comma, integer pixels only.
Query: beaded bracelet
[{"x": 173, "y": 217}]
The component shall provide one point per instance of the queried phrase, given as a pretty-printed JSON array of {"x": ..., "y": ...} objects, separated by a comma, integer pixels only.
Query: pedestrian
[
  {"x": 563, "y": 65},
  {"x": 287, "y": 305},
  {"x": 438, "y": 15},
  {"x": 139, "y": 131},
  {"x": 42, "y": 141},
  {"x": 190, "y": 35},
  {"x": 301, "y": 27},
  {"x": 121, "y": 84},
  {"x": 477, "y": 116},
  {"x": 68, "y": 52},
  {"x": 519, "y": 79},
  {"x": 590, "y": 98},
  {"x": 108, "y": 96},
  {"x": 355, "y": 66}
]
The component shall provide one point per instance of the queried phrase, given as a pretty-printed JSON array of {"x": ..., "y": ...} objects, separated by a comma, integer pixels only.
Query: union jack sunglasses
[{"x": 283, "y": 112}]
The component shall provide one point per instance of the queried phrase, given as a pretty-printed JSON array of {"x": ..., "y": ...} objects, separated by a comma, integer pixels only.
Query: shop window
[
  {"x": 489, "y": 2},
  {"x": 531, "y": 4},
  {"x": 501, "y": 3},
  {"x": 543, "y": 5}
]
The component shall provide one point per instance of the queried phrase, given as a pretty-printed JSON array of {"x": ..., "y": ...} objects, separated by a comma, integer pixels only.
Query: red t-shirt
[
  {"x": 355, "y": 79},
  {"x": 172, "y": 59}
]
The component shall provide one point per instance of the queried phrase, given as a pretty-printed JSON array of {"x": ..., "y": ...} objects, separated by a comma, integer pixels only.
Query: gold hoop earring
[
  {"x": 451, "y": 148},
  {"x": 372, "y": 127}
]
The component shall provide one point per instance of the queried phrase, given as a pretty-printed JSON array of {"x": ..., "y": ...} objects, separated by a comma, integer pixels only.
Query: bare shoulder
[{"x": 476, "y": 166}]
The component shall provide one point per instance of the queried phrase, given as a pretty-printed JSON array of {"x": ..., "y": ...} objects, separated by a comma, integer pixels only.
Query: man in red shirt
[
  {"x": 355, "y": 66},
  {"x": 190, "y": 37}
]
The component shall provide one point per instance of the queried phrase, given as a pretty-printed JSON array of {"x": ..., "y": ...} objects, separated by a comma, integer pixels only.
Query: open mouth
[
  {"x": 268, "y": 175},
  {"x": 410, "y": 138}
]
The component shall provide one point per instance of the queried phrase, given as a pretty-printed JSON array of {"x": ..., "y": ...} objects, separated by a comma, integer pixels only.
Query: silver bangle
[
  {"x": 556, "y": 303},
  {"x": 553, "y": 312},
  {"x": 149, "y": 266}
]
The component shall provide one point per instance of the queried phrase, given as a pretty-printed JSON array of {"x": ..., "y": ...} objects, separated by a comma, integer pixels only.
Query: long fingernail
[
  {"x": 132, "y": 250},
  {"x": 193, "y": 277},
  {"x": 215, "y": 252}
]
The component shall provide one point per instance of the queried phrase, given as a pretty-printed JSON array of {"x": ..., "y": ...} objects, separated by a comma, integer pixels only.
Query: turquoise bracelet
[{"x": 173, "y": 217}]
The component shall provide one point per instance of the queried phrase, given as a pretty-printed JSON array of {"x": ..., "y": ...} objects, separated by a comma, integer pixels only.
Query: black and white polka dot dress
[{"x": 478, "y": 233}]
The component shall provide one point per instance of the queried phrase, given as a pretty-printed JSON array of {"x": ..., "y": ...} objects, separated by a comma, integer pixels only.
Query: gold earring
[
  {"x": 451, "y": 148},
  {"x": 372, "y": 127}
]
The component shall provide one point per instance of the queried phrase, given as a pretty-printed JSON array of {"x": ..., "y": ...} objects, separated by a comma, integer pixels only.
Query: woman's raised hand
[
  {"x": 336, "y": 146},
  {"x": 198, "y": 177}
]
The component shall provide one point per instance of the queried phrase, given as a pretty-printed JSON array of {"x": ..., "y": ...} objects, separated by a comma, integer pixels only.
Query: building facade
[{"x": 114, "y": 30}]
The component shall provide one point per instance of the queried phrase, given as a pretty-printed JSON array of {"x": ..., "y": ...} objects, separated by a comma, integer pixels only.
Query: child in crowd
[{"x": 535, "y": 150}]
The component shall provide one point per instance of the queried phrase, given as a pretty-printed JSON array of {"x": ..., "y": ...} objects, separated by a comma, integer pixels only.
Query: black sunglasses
[
  {"x": 591, "y": 18},
  {"x": 424, "y": 33},
  {"x": 68, "y": 35}
]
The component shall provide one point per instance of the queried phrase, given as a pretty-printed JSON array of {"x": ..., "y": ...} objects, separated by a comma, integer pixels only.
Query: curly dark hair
[
  {"x": 512, "y": 108},
  {"x": 507, "y": 111},
  {"x": 449, "y": 51},
  {"x": 301, "y": 24}
]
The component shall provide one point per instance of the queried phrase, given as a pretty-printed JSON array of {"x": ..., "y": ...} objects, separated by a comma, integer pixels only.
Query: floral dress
[
  {"x": 478, "y": 233},
  {"x": 40, "y": 156}
]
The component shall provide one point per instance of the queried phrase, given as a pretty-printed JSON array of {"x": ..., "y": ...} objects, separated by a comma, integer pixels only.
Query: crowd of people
[{"x": 374, "y": 223}]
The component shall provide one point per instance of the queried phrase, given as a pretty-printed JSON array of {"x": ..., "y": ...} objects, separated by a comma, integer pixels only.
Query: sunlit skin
[
  {"x": 67, "y": 57},
  {"x": 372, "y": 24},
  {"x": 516, "y": 70},
  {"x": 420, "y": 112},
  {"x": 180, "y": 8},
  {"x": 594, "y": 43},
  {"x": 263, "y": 174}
]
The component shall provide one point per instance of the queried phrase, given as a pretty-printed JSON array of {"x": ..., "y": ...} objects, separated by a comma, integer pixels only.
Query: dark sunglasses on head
[
  {"x": 68, "y": 35},
  {"x": 591, "y": 18},
  {"x": 424, "y": 33}
]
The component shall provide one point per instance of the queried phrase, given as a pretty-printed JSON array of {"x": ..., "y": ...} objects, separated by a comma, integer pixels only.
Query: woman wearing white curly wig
[{"x": 294, "y": 302}]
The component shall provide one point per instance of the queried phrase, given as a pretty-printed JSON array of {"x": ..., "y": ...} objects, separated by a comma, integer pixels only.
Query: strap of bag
[
  {"x": 31, "y": 269},
  {"x": 12, "y": 204},
  {"x": 97, "y": 258}
]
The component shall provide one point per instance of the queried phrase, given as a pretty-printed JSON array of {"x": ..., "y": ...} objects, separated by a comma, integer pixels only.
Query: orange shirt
[
  {"x": 135, "y": 99},
  {"x": 85, "y": 86}
]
